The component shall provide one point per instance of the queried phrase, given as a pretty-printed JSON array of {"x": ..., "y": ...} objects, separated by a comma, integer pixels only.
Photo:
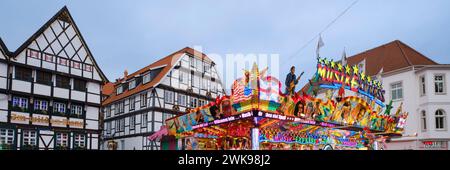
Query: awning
[{"x": 158, "y": 135}]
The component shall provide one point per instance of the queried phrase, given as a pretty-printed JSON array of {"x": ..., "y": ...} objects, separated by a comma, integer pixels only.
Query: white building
[
  {"x": 417, "y": 81},
  {"x": 53, "y": 90},
  {"x": 137, "y": 105}
]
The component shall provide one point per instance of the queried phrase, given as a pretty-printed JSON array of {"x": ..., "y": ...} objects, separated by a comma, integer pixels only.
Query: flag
[
  {"x": 379, "y": 74},
  {"x": 344, "y": 58},
  {"x": 269, "y": 89},
  {"x": 240, "y": 91},
  {"x": 320, "y": 44}
]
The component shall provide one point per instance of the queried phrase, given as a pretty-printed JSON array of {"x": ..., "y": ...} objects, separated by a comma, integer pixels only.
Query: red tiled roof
[
  {"x": 166, "y": 63},
  {"x": 389, "y": 57}
]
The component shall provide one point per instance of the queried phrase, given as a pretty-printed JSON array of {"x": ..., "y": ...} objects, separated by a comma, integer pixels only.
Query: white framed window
[
  {"x": 132, "y": 84},
  {"x": 40, "y": 104},
  {"x": 29, "y": 138},
  {"x": 132, "y": 103},
  {"x": 108, "y": 128},
  {"x": 440, "y": 119},
  {"x": 79, "y": 140},
  {"x": 199, "y": 65},
  {"x": 439, "y": 84},
  {"x": 144, "y": 120},
  {"x": 146, "y": 78},
  {"x": 183, "y": 77},
  {"x": 397, "y": 91},
  {"x": 59, "y": 107},
  {"x": 143, "y": 98},
  {"x": 108, "y": 111},
  {"x": 119, "y": 90},
  {"x": 62, "y": 139},
  {"x": 193, "y": 102},
  {"x": 76, "y": 110},
  {"x": 20, "y": 102},
  {"x": 132, "y": 122},
  {"x": 122, "y": 125},
  {"x": 6, "y": 136},
  {"x": 213, "y": 86},
  {"x": 119, "y": 107},
  {"x": 168, "y": 96},
  {"x": 206, "y": 67},
  {"x": 423, "y": 120},
  {"x": 181, "y": 99},
  {"x": 422, "y": 85},
  {"x": 192, "y": 61},
  {"x": 196, "y": 81}
]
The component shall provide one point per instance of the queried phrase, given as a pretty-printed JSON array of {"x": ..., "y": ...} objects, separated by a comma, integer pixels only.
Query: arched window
[
  {"x": 440, "y": 119},
  {"x": 423, "y": 120}
]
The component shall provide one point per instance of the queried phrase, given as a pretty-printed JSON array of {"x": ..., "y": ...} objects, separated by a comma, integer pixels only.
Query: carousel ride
[{"x": 258, "y": 116}]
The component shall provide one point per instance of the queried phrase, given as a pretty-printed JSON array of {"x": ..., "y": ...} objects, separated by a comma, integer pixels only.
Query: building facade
[
  {"x": 417, "y": 82},
  {"x": 51, "y": 90},
  {"x": 137, "y": 105}
]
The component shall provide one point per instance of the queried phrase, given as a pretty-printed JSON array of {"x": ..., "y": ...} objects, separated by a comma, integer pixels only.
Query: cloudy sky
[{"x": 132, "y": 34}]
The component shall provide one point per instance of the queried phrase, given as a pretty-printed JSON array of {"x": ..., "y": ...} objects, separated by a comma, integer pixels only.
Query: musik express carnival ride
[{"x": 258, "y": 116}]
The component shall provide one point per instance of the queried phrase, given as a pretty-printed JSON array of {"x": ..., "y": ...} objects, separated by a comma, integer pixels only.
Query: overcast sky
[{"x": 132, "y": 34}]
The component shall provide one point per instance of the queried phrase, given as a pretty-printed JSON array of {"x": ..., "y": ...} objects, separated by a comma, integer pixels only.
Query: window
[
  {"x": 143, "y": 100},
  {"x": 29, "y": 138},
  {"x": 88, "y": 67},
  {"x": 168, "y": 96},
  {"x": 108, "y": 128},
  {"x": 132, "y": 122},
  {"x": 59, "y": 107},
  {"x": 76, "y": 65},
  {"x": 440, "y": 119},
  {"x": 108, "y": 111},
  {"x": 439, "y": 84},
  {"x": 79, "y": 85},
  {"x": 79, "y": 141},
  {"x": 132, "y": 101},
  {"x": 144, "y": 120},
  {"x": 76, "y": 110},
  {"x": 119, "y": 107},
  {"x": 63, "y": 61},
  {"x": 40, "y": 105},
  {"x": 193, "y": 102},
  {"x": 62, "y": 139},
  {"x": 33, "y": 54},
  {"x": 132, "y": 84},
  {"x": 43, "y": 77},
  {"x": 206, "y": 68},
  {"x": 181, "y": 99},
  {"x": 199, "y": 65},
  {"x": 119, "y": 89},
  {"x": 192, "y": 61},
  {"x": 397, "y": 91},
  {"x": 48, "y": 58},
  {"x": 183, "y": 77},
  {"x": 213, "y": 86},
  {"x": 422, "y": 85},
  {"x": 146, "y": 78},
  {"x": 23, "y": 74},
  {"x": 6, "y": 136},
  {"x": 122, "y": 125},
  {"x": 423, "y": 118},
  {"x": 205, "y": 84},
  {"x": 20, "y": 102},
  {"x": 62, "y": 81}
]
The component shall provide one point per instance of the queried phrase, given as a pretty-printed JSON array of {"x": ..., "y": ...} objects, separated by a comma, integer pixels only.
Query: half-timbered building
[
  {"x": 136, "y": 105},
  {"x": 53, "y": 90}
]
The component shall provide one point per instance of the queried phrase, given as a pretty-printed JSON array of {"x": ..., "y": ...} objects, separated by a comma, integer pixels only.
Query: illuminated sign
[{"x": 352, "y": 79}]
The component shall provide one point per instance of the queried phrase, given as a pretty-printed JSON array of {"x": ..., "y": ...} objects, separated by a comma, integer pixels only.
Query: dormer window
[
  {"x": 119, "y": 90},
  {"x": 146, "y": 78},
  {"x": 132, "y": 84}
]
